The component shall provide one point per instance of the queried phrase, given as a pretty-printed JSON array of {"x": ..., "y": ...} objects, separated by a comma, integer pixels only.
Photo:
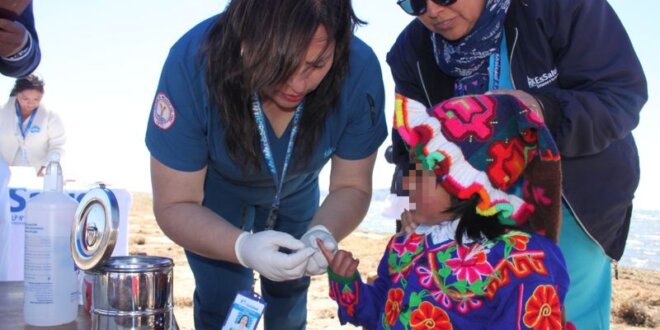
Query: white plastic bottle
[{"x": 50, "y": 280}]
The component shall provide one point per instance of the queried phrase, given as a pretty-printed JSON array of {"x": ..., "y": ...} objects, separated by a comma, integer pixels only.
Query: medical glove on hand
[
  {"x": 318, "y": 264},
  {"x": 260, "y": 251}
]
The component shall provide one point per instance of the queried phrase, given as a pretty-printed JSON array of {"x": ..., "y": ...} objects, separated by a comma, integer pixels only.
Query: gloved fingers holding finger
[{"x": 297, "y": 259}]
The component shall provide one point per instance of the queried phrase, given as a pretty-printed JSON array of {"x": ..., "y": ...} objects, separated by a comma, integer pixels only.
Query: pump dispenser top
[{"x": 53, "y": 178}]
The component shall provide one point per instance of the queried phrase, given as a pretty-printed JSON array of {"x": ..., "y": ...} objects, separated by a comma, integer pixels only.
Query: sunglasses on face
[{"x": 418, "y": 7}]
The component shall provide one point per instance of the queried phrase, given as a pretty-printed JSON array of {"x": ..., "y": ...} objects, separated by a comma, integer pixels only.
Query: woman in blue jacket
[{"x": 573, "y": 63}]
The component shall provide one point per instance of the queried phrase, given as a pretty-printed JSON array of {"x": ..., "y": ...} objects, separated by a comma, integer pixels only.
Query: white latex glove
[
  {"x": 259, "y": 251},
  {"x": 317, "y": 264}
]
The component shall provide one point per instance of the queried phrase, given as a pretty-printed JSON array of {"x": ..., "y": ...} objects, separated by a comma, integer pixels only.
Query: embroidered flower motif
[
  {"x": 411, "y": 244},
  {"x": 471, "y": 263},
  {"x": 393, "y": 305},
  {"x": 441, "y": 297},
  {"x": 425, "y": 276},
  {"x": 428, "y": 316},
  {"x": 542, "y": 309}
]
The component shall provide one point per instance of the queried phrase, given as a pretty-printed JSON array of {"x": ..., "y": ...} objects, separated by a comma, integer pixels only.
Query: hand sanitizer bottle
[{"x": 50, "y": 280}]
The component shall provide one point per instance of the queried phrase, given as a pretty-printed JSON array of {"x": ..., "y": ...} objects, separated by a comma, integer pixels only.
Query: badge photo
[{"x": 245, "y": 312}]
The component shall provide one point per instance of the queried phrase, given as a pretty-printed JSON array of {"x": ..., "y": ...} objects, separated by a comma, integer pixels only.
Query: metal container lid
[
  {"x": 131, "y": 264},
  {"x": 94, "y": 231}
]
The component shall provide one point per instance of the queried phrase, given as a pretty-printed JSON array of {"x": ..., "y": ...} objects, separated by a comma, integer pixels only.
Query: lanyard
[
  {"x": 258, "y": 112},
  {"x": 25, "y": 129},
  {"x": 499, "y": 68}
]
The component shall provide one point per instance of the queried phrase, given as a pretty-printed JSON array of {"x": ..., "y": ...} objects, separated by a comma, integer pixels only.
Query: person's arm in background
[
  {"x": 56, "y": 139},
  {"x": 19, "y": 45},
  {"x": 602, "y": 84}
]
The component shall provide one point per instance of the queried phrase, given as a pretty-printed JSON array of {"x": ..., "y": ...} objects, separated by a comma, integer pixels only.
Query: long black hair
[
  {"x": 472, "y": 224},
  {"x": 256, "y": 44}
]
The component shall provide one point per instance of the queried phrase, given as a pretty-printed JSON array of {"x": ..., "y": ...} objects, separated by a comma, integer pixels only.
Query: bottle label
[{"x": 49, "y": 277}]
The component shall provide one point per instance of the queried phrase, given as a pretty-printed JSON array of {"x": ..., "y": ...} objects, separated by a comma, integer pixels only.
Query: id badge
[{"x": 245, "y": 312}]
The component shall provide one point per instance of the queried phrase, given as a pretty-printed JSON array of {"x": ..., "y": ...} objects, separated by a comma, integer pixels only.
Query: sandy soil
[{"x": 636, "y": 297}]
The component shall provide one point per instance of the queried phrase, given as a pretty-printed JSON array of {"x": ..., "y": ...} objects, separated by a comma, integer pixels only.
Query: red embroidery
[
  {"x": 543, "y": 309},
  {"x": 428, "y": 316},
  {"x": 509, "y": 161},
  {"x": 393, "y": 305},
  {"x": 521, "y": 265}
]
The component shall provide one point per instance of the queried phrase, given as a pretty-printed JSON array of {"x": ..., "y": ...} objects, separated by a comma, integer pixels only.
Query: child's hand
[
  {"x": 408, "y": 224},
  {"x": 342, "y": 263}
]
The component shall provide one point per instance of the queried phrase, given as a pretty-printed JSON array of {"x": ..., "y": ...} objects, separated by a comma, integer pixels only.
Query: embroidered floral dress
[{"x": 427, "y": 281}]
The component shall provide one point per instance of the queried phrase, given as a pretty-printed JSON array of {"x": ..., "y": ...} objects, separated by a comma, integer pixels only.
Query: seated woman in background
[{"x": 29, "y": 133}]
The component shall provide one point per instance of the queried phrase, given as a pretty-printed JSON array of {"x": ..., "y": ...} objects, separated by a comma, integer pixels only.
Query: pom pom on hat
[{"x": 491, "y": 146}]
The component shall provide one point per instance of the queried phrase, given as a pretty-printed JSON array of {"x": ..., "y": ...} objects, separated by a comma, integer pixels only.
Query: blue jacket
[
  {"x": 577, "y": 59},
  {"x": 29, "y": 63}
]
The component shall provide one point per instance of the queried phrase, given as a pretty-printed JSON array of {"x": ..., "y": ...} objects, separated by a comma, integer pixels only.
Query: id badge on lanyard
[{"x": 245, "y": 312}]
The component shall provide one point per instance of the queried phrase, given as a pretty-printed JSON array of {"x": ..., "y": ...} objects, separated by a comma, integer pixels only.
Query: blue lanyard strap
[
  {"x": 257, "y": 110},
  {"x": 25, "y": 129},
  {"x": 498, "y": 67}
]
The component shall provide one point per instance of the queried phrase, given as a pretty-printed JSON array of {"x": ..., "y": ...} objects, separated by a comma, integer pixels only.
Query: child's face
[{"x": 427, "y": 197}]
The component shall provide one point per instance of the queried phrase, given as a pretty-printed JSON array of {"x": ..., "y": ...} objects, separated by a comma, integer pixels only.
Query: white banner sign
[{"x": 18, "y": 199}]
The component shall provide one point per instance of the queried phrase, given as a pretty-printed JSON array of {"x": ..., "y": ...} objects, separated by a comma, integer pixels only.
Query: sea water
[{"x": 642, "y": 247}]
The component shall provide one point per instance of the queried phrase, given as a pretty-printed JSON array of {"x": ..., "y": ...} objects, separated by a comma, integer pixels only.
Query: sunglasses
[{"x": 418, "y": 7}]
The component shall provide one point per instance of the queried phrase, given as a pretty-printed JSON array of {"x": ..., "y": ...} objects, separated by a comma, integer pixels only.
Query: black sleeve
[{"x": 29, "y": 63}]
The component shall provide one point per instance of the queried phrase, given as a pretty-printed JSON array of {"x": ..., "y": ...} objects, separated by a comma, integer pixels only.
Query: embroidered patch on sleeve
[{"x": 163, "y": 112}]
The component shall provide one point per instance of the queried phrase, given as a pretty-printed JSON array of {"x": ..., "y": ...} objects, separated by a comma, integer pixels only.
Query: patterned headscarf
[
  {"x": 492, "y": 146},
  {"x": 466, "y": 59}
]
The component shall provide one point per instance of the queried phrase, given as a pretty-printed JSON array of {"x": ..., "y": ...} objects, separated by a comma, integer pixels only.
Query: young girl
[{"x": 484, "y": 181}]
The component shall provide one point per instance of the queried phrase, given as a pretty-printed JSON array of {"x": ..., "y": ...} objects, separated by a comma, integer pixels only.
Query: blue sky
[{"x": 102, "y": 60}]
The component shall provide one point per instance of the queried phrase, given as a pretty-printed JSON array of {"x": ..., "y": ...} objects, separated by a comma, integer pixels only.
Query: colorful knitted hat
[{"x": 492, "y": 146}]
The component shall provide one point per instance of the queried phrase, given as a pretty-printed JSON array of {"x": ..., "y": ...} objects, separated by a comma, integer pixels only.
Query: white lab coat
[{"x": 45, "y": 136}]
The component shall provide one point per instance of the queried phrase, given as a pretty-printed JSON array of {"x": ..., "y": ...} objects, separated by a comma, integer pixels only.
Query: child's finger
[
  {"x": 326, "y": 253},
  {"x": 353, "y": 267},
  {"x": 343, "y": 263}
]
